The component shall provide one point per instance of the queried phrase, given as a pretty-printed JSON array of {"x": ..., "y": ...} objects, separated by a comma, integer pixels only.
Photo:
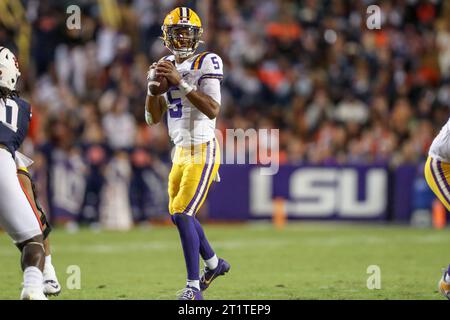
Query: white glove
[{"x": 22, "y": 161}]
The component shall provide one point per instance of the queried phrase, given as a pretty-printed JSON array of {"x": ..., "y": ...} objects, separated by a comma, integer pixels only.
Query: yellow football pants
[
  {"x": 437, "y": 174},
  {"x": 193, "y": 170}
]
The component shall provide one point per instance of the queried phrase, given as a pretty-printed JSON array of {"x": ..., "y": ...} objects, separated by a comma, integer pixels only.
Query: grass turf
[{"x": 303, "y": 261}]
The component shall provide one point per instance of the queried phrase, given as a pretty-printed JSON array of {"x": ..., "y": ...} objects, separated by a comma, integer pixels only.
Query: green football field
[{"x": 303, "y": 261}]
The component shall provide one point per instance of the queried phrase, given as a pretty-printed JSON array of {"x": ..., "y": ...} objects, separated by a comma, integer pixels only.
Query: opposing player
[
  {"x": 437, "y": 174},
  {"x": 192, "y": 103},
  {"x": 17, "y": 216},
  {"x": 51, "y": 284}
]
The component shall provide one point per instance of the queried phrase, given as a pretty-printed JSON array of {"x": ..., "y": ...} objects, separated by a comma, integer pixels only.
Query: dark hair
[{"x": 7, "y": 93}]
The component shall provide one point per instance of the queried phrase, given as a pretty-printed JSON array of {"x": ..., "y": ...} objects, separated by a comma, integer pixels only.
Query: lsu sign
[{"x": 347, "y": 192}]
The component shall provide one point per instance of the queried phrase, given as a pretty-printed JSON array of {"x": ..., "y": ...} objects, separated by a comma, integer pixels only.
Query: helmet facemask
[{"x": 182, "y": 40}]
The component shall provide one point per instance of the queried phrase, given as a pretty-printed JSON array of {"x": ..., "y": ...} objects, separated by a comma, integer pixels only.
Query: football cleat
[
  {"x": 32, "y": 293},
  {"x": 51, "y": 284},
  {"x": 52, "y": 287},
  {"x": 189, "y": 293},
  {"x": 444, "y": 286},
  {"x": 209, "y": 275}
]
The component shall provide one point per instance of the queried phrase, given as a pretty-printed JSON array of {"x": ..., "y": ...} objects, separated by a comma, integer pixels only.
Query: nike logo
[
  {"x": 212, "y": 277},
  {"x": 52, "y": 284}
]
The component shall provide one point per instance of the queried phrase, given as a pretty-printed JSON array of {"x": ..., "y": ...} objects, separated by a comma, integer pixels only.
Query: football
[{"x": 157, "y": 84}]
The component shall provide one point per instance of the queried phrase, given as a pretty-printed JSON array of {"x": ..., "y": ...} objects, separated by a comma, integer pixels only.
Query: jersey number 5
[
  {"x": 9, "y": 114},
  {"x": 175, "y": 109}
]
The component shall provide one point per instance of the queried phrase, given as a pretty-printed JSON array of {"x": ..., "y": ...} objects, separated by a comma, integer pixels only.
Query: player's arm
[
  {"x": 155, "y": 105},
  {"x": 202, "y": 101},
  {"x": 28, "y": 187}
]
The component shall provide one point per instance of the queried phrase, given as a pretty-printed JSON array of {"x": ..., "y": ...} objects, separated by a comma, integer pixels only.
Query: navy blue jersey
[{"x": 15, "y": 116}]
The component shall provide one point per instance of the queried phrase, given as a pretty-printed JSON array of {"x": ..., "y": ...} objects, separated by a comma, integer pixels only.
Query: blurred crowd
[{"x": 338, "y": 91}]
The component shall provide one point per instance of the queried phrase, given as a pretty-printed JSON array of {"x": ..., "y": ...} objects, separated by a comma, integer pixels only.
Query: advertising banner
[{"x": 315, "y": 192}]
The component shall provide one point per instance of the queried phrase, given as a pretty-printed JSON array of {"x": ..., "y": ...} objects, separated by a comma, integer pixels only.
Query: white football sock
[
  {"x": 49, "y": 270},
  {"x": 212, "y": 263},
  {"x": 32, "y": 277},
  {"x": 447, "y": 278},
  {"x": 48, "y": 260},
  {"x": 194, "y": 284}
]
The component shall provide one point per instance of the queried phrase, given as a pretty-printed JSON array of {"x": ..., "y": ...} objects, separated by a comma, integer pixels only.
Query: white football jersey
[
  {"x": 188, "y": 125},
  {"x": 440, "y": 148}
]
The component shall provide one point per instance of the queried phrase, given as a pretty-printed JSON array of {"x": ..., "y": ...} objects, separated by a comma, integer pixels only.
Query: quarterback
[
  {"x": 437, "y": 174},
  {"x": 191, "y": 101}
]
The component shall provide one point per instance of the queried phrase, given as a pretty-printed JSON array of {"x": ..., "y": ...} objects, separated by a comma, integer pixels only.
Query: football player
[
  {"x": 18, "y": 217},
  {"x": 51, "y": 284},
  {"x": 437, "y": 174},
  {"x": 192, "y": 104}
]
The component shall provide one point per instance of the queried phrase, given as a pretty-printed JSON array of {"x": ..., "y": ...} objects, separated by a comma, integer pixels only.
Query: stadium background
[{"x": 343, "y": 97}]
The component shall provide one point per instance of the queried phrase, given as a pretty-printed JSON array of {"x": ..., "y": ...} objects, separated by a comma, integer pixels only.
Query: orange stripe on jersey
[
  {"x": 33, "y": 207},
  {"x": 197, "y": 60}
]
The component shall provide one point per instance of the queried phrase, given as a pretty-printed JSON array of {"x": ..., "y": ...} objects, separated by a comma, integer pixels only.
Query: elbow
[
  {"x": 212, "y": 116},
  {"x": 213, "y": 112}
]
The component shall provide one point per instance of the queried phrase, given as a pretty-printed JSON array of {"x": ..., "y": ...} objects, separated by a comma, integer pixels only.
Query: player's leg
[
  {"x": 437, "y": 175},
  {"x": 197, "y": 172},
  {"x": 188, "y": 235},
  {"x": 32, "y": 262},
  {"x": 214, "y": 266},
  {"x": 175, "y": 176},
  {"x": 191, "y": 249},
  {"x": 195, "y": 184},
  {"x": 51, "y": 284},
  {"x": 207, "y": 253},
  {"x": 23, "y": 225}
]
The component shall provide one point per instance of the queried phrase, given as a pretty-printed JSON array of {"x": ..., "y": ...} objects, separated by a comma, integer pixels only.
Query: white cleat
[
  {"x": 32, "y": 293},
  {"x": 52, "y": 287},
  {"x": 51, "y": 284},
  {"x": 444, "y": 287}
]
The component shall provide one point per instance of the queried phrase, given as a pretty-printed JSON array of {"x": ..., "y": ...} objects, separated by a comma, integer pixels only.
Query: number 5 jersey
[{"x": 187, "y": 125}]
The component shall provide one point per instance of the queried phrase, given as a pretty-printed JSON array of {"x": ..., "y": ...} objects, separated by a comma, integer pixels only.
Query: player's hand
[{"x": 168, "y": 70}]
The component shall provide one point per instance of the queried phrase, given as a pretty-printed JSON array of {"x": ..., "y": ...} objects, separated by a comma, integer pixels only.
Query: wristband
[{"x": 185, "y": 87}]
